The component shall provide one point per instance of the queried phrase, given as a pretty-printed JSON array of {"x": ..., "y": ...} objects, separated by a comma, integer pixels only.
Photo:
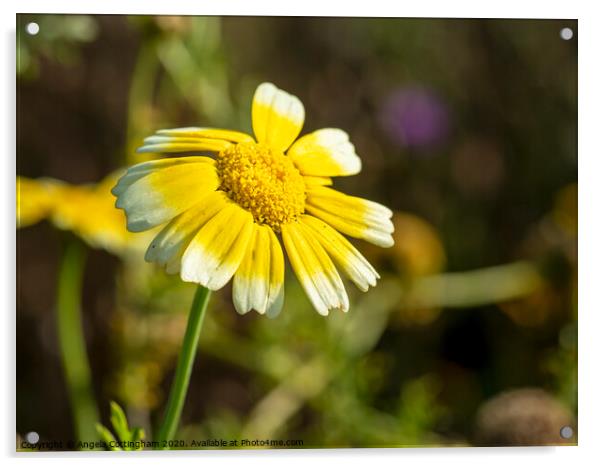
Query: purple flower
[{"x": 415, "y": 117}]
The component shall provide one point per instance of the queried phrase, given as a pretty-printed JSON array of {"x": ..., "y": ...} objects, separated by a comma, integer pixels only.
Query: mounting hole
[
  {"x": 566, "y": 33},
  {"x": 32, "y": 28},
  {"x": 32, "y": 437},
  {"x": 566, "y": 432}
]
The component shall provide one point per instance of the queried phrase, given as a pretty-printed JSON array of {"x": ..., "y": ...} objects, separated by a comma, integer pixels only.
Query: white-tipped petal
[
  {"x": 277, "y": 116},
  {"x": 326, "y": 152},
  {"x": 152, "y": 193},
  {"x": 353, "y": 216},
  {"x": 215, "y": 253},
  {"x": 169, "y": 245},
  {"x": 192, "y": 140},
  {"x": 314, "y": 269},
  {"x": 347, "y": 257},
  {"x": 259, "y": 281}
]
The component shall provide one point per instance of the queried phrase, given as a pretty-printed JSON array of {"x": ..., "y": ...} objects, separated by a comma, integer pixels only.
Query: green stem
[
  {"x": 72, "y": 342},
  {"x": 184, "y": 368},
  {"x": 475, "y": 287}
]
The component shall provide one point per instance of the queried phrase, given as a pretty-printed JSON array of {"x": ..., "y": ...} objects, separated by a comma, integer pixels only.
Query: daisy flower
[{"x": 228, "y": 216}]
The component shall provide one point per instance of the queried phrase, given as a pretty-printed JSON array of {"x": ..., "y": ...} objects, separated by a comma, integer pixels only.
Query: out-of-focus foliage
[
  {"x": 465, "y": 129},
  {"x": 187, "y": 58},
  {"x": 58, "y": 40}
]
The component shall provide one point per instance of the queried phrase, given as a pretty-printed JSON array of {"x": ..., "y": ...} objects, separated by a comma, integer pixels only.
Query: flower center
[{"x": 263, "y": 181}]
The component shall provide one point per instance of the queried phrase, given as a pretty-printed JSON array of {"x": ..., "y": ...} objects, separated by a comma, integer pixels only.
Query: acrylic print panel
[{"x": 263, "y": 232}]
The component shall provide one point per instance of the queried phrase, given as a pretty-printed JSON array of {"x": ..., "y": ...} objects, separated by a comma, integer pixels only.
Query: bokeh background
[{"x": 467, "y": 129}]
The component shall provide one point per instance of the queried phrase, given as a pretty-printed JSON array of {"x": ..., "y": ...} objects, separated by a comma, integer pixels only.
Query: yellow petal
[
  {"x": 169, "y": 245},
  {"x": 192, "y": 140},
  {"x": 217, "y": 250},
  {"x": 249, "y": 287},
  {"x": 151, "y": 193},
  {"x": 317, "y": 181},
  {"x": 276, "y": 289},
  {"x": 259, "y": 281},
  {"x": 277, "y": 117},
  {"x": 353, "y": 216},
  {"x": 35, "y": 199},
  {"x": 326, "y": 152},
  {"x": 355, "y": 266},
  {"x": 211, "y": 133},
  {"x": 314, "y": 269},
  {"x": 160, "y": 145}
]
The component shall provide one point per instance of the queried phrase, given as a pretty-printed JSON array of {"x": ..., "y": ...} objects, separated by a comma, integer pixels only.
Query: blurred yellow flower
[
  {"x": 418, "y": 249},
  {"x": 86, "y": 210},
  {"x": 418, "y": 253},
  {"x": 223, "y": 215},
  {"x": 35, "y": 200}
]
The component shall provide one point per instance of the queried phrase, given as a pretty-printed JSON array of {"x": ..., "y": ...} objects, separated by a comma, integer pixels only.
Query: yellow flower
[
  {"x": 34, "y": 200},
  {"x": 223, "y": 215},
  {"x": 86, "y": 210}
]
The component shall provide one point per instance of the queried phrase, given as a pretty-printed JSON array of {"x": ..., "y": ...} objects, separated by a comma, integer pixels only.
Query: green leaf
[
  {"x": 137, "y": 434},
  {"x": 119, "y": 422},
  {"x": 121, "y": 428},
  {"x": 107, "y": 436}
]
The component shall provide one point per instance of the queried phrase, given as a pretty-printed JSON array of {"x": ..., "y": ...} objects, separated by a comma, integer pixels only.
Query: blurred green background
[{"x": 467, "y": 130}]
